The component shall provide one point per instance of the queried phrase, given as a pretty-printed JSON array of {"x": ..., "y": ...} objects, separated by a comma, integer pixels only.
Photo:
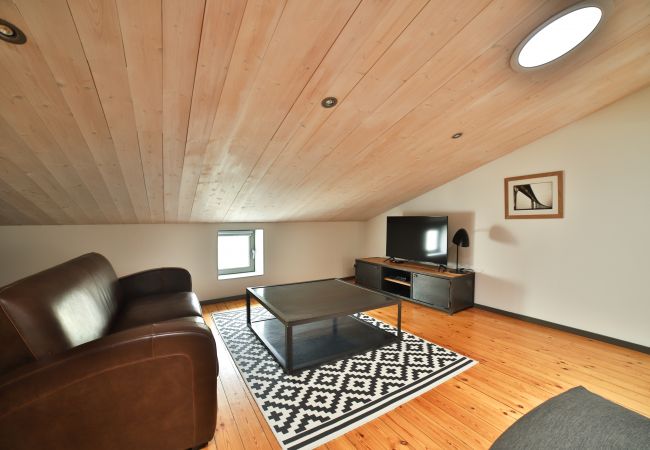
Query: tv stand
[{"x": 436, "y": 287}]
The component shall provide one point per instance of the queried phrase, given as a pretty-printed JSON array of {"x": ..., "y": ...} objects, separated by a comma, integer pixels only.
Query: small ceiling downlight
[
  {"x": 559, "y": 35},
  {"x": 329, "y": 102},
  {"x": 11, "y": 33}
]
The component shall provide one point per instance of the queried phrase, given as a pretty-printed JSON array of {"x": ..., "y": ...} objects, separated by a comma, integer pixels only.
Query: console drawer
[
  {"x": 368, "y": 275},
  {"x": 431, "y": 290}
]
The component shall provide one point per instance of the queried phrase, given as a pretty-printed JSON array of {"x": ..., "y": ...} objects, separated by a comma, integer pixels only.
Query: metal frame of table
[{"x": 288, "y": 363}]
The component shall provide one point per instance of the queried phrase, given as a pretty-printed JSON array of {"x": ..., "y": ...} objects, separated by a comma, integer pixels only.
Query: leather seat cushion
[{"x": 156, "y": 308}]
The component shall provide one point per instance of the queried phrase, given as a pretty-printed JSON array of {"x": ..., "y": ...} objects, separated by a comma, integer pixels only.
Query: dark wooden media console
[{"x": 448, "y": 291}]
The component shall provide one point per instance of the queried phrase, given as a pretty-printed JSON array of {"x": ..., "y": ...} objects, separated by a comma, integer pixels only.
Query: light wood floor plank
[
  {"x": 227, "y": 435},
  {"x": 253, "y": 429},
  {"x": 401, "y": 424},
  {"x": 342, "y": 443},
  {"x": 520, "y": 366}
]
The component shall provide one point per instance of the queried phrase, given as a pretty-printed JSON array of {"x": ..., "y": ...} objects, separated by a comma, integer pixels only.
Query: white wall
[
  {"x": 293, "y": 251},
  {"x": 590, "y": 270}
]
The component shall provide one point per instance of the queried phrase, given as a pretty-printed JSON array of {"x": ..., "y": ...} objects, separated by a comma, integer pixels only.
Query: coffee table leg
[
  {"x": 335, "y": 325},
  {"x": 288, "y": 336},
  {"x": 399, "y": 320},
  {"x": 248, "y": 308}
]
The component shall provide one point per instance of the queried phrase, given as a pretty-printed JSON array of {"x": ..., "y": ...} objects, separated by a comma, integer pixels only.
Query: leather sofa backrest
[{"x": 59, "y": 308}]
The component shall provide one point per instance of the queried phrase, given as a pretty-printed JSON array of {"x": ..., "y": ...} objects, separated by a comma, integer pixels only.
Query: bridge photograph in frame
[{"x": 536, "y": 196}]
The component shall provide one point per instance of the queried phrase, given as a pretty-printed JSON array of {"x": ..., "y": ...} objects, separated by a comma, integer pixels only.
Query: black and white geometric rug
[{"x": 316, "y": 405}]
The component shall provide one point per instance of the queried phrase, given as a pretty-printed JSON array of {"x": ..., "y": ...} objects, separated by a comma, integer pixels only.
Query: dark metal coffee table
[{"x": 317, "y": 321}]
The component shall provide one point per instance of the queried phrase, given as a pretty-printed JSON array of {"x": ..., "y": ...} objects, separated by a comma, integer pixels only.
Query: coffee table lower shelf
[{"x": 315, "y": 343}]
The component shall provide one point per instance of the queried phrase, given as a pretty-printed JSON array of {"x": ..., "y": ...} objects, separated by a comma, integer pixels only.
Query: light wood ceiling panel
[
  {"x": 14, "y": 186},
  {"x": 352, "y": 56},
  {"x": 221, "y": 24},
  {"x": 141, "y": 28},
  {"x": 47, "y": 123},
  {"x": 120, "y": 111},
  {"x": 28, "y": 175},
  {"x": 429, "y": 78},
  {"x": 301, "y": 38},
  {"x": 12, "y": 216},
  {"x": 253, "y": 37},
  {"x": 52, "y": 27},
  {"x": 423, "y": 134},
  {"x": 182, "y": 26},
  {"x": 98, "y": 26}
]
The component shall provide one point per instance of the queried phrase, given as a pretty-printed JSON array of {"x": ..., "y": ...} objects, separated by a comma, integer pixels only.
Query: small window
[{"x": 239, "y": 253}]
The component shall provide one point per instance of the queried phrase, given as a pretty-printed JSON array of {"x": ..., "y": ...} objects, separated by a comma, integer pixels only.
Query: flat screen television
[{"x": 417, "y": 238}]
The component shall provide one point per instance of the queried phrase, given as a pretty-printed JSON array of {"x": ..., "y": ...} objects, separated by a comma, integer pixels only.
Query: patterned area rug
[{"x": 316, "y": 405}]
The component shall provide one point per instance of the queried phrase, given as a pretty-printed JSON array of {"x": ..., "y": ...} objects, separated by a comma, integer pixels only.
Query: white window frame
[{"x": 256, "y": 257}]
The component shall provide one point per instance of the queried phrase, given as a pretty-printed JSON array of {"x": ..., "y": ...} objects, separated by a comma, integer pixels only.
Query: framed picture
[{"x": 536, "y": 196}]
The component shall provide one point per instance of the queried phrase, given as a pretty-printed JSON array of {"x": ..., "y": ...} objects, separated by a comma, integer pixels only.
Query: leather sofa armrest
[
  {"x": 152, "y": 386},
  {"x": 165, "y": 280}
]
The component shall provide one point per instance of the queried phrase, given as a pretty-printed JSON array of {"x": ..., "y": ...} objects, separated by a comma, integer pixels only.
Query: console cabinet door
[
  {"x": 431, "y": 290},
  {"x": 368, "y": 275}
]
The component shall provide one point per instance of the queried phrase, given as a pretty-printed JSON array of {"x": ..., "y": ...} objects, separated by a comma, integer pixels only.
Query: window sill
[{"x": 239, "y": 275}]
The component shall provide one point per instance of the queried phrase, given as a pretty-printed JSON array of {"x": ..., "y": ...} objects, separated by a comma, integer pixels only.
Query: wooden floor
[{"x": 520, "y": 366}]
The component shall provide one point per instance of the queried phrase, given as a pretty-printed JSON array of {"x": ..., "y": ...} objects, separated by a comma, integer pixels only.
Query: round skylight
[{"x": 558, "y": 35}]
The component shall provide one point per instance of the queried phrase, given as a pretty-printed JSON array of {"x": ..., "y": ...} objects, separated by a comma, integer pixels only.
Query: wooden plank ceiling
[{"x": 151, "y": 111}]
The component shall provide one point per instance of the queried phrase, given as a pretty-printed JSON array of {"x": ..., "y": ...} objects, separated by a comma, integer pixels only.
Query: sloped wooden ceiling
[{"x": 127, "y": 111}]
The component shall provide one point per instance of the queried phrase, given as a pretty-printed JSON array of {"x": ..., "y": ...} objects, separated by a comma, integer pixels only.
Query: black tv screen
[{"x": 417, "y": 238}]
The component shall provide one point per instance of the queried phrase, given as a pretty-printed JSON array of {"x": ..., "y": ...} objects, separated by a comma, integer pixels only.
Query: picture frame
[{"x": 535, "y": 196}]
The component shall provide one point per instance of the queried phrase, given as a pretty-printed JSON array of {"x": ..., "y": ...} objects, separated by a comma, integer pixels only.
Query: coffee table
[{"x": 318, "y": 321}]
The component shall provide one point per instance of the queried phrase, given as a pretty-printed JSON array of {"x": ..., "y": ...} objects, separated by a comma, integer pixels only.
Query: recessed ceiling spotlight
[
  {"x": 329, "y": 102},
  {"x": 11, "y": 33},
  {"x": 456, "y": 135},
  {"x": 559, "y": 35}
]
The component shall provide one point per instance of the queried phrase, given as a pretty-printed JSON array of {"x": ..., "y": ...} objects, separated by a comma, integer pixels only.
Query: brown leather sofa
[{"x": 90, "y": 361}]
